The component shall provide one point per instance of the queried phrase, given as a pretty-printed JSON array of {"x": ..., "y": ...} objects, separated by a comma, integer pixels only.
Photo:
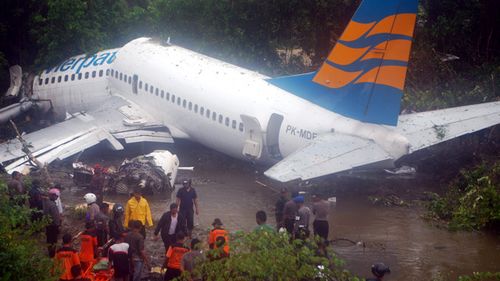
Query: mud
[{"x": 363, "y": 233}]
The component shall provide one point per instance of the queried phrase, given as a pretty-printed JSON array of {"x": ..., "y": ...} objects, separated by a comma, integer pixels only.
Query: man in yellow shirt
[{"x": 138, "y": 209}]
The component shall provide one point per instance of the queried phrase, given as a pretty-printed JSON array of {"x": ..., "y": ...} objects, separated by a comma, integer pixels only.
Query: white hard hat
[{"x": 90, "y": 198}]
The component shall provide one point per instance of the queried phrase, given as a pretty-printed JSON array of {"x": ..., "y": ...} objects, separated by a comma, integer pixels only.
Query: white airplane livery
[{"x": 343, "y": 116}]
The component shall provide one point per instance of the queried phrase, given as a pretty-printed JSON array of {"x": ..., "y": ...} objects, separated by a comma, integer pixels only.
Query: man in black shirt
[{"x": 186, "y": 198}]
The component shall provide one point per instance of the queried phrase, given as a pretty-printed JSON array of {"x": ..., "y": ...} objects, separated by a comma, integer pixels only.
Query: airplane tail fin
[{"x": 363, "y": 76}]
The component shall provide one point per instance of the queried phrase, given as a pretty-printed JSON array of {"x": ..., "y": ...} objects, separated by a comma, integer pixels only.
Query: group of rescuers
[{"x": 126, "y": 228}]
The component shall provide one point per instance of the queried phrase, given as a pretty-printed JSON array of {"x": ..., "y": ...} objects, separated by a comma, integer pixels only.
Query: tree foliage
[
  {"x": 270, "y": 256},
  {"x": 21, "y": 256}
]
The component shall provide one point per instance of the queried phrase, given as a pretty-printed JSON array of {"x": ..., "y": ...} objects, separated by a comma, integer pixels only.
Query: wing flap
[
  {"x": 432, "y": 127},
  {"x": 327, "y": 154}
]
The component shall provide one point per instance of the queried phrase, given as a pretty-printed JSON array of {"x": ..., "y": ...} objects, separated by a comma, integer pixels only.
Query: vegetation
[
  {"x": 472, "y": 201},
  {"x": 271, "y": 256},
  {"x": 21, "y": 255}
]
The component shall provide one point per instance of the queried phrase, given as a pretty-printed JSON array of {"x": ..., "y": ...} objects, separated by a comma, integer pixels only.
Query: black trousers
[
  {"x": 171, "y": 273},
  {"x": 289, "y": 225},
  {"x": 52, "y": 233},
  {"x": 189, "y": 215},
  {"x": 168, "y": 240},
  {"x": 321, "y": 229}
]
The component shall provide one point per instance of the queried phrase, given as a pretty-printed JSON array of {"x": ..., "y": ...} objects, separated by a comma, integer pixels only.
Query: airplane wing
[
  {"x": 116, "y": 119},
  {"x": 327, "y": 154},
  {"x": 428, "y": 128}
]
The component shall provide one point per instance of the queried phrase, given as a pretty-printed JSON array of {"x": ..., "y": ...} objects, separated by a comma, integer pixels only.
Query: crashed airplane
[{"x": 342, "y": 116}]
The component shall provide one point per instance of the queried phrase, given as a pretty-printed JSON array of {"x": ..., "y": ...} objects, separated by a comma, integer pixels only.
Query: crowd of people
[{"x": 120, "y": 234}]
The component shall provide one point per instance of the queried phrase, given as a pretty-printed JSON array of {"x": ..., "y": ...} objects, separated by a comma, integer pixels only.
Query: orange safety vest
[
  {"x": 174, "y": 255},
  {"x": 218, "y": 234},
  {"x": 88, "y": 246},
  {"x": 67, "y": 257}
]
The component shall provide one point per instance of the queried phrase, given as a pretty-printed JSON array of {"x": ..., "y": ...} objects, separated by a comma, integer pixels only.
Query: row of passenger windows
[
  {"x": 73, "y": 77},
  {"x": 180, "y": 102}
]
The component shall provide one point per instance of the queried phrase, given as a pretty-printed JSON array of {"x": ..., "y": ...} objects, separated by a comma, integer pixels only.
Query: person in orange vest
[
  {"x": 138, "y": 209},
  {"x": 174, "y": 257},
  {"x": 88, "y": 245},
  {"x": 68, "y": 259},
  {"x": 219, "y": 238}
]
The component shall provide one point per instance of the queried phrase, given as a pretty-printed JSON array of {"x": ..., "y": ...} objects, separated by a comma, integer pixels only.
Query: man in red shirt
[
  {"x": 174, "y": 257},
  {"x": 88, "y": 245},
  {"x": 68, "y": 259}
]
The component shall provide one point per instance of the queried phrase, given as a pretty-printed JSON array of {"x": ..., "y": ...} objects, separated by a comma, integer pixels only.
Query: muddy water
[{"x": 397, "y": 236}]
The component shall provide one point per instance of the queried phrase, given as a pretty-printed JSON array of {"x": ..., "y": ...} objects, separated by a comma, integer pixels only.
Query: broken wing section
[
  {"x": 327, "y": 154},
  {"x": 116, "y": 119},
  {"x": 432, "y": 127}
]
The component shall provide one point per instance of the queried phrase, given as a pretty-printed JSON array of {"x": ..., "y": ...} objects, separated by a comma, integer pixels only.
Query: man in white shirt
[{"x": 171, "y": 223}]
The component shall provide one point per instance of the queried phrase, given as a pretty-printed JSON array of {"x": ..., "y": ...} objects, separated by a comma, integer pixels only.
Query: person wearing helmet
[
  {"x": 186, "y": 198},
  {"x": 379, "y": 270},
  {"x": 52, "y": 230},
  {"x": 116, "y": 223},
  {"x": 92, "y": 207}
]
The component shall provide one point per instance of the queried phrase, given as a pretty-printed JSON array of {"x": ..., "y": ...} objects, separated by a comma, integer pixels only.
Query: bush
[
  {"x": 271, "y": 256},
  {"x": 21, "y": 255},
  {"x": 472, "y": 201}
]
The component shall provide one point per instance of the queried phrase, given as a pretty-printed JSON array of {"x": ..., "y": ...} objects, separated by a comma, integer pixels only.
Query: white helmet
[{"x": 90, "y": 198}]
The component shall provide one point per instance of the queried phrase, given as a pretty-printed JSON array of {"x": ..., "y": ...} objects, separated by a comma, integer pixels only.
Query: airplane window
[
  {"x": 65, "y": 77},
  {"x": 208, "y": 113},
  {"x": 94, "y": 73},
  {"x": 116, "y": 74},
  {"x": 40, "y": 81},
  {"x": 195, "y": 108},
  {"x": 53, "y": 80},
  {"x": 79, "y": 76},
  {"x": 162, "y": 93},
  {"x": 46, "y": 81},
  {"x": 214, "y": 116},
  {"x": 121, "y": 76},
  {"x": 173, "y": 98},
  {"x": 140, "y": 84},
  {"x": 168, "y": 96},
  {"x": 107, "y": 72},
  {"x": 233, "y": 124},
  {"x": 72, "y": 77},
  {"x": 151, "y": 89},
  {"x": 129, "y": 80},
  {"x": 184, "y": 103},
  {"x": 220, "y": 118},
  {"x": 202, "y": 110},
  {"x": 178, "y": 101},
  {"x": 59, "y": 79},
  {"x": 86, "y": 75},
  {"x": 125, "y": 78},
  {"x": 101, "y": 73},
  {"x": 112, "y": 72},
  {"x": 134, "y": 85},
  {"x": 227, "y": 121},
  {"x": 146, "y": 87},
  {"x": 241, "y": 127},
  {"x": 190, "y": 105},
  {"x": 157, "y": 92}
]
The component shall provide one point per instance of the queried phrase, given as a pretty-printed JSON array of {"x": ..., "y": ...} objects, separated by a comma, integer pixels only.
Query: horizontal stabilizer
[
  {"x": 327, "y": 154},
  {"x": 432, "y": 127}
]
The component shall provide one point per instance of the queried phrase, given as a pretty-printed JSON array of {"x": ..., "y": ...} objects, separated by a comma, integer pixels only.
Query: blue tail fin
[{"x": 364, "y": 75}]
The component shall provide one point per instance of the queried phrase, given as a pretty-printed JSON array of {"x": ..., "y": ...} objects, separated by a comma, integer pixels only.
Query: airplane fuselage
[{"x": 222, "y": 106}]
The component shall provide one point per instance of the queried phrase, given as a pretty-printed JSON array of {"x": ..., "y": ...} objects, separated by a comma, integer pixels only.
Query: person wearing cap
[
  {"x": 88, "y": 245},
  {"x": 219, "y": 238},
  {"x": 68, "y": 259},
  {"x": 289, "y": 214},
  {"x": 52, "y": 229},
  {"x": 320, "y": 209},
  {"x": 186, "y": 199},
  {"x": 137, "y": 208},
  {"x": 116, "y": 222},
  {"x": 379, "y": 270},
  {"x": 303, "y": 218},
  {"x": 171, "y": 223},
  {"x": 279, "y": 207},
  {"x": 59, "y": 203}
]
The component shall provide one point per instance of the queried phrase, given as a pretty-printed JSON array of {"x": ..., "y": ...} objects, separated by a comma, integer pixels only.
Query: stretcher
[{"x": 98, "y": 270}]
